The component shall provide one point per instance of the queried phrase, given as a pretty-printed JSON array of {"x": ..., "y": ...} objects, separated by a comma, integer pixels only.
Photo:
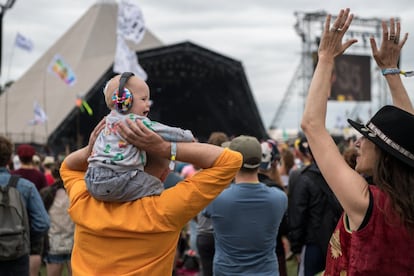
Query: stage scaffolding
[{"x": 309, "y": 27}]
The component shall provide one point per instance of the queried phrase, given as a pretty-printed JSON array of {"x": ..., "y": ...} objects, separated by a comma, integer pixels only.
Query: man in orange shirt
[{"x": 140, "y": 237}]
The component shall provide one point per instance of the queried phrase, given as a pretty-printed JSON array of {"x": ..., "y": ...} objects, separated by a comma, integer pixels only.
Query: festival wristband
[
  {"x": 395, "y": 71},
  {"x": 173, "y": 155}
]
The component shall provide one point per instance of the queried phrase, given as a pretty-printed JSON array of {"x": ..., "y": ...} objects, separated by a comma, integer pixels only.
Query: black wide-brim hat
[{"x": 392, "y": 130}]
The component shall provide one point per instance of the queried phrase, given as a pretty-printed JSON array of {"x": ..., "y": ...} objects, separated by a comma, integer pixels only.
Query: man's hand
[{"x": 137, "y": 134}]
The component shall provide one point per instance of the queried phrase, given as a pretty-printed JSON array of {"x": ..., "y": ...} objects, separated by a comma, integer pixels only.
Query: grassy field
[{"x": 43, "y": 271}]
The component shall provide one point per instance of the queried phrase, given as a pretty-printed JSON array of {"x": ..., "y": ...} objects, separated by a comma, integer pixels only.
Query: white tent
[{"x": 88, "y": 47}]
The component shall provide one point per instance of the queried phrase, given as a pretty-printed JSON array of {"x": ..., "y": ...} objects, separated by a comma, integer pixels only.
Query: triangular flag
[
  {"x": 23, "y": 42},
  {"x": 39, "y": 115}
]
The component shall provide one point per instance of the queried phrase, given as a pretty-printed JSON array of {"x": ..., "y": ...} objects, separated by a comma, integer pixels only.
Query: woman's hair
[
  {"x": 288, "y": 159},
  {"x": 397, "y": 180}
]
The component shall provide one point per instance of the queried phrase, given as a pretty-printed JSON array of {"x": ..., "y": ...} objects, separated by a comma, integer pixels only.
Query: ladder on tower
[{"x": 291, "y": 91}]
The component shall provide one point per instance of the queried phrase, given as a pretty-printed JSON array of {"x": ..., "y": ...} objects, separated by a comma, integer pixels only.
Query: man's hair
[
  {"x": 6, "y": 149},
  {"x": 218, "y": 138},
  {"x": 249, "y": 170}
]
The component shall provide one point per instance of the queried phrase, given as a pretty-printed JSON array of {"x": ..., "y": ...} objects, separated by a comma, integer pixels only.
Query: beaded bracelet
[
  {"x": 395, "y": 71},
  {"x": 173, "y": 155}
]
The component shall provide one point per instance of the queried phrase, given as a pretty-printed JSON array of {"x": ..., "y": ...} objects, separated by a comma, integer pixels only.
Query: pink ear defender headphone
[{"x": 122, "y": 97}]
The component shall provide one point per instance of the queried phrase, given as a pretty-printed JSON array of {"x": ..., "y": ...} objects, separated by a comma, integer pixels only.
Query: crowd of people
[{"x": 143, "y": 198}]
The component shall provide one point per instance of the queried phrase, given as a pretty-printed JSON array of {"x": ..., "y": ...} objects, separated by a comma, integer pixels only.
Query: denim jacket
[{"x": 38, "y": 217}]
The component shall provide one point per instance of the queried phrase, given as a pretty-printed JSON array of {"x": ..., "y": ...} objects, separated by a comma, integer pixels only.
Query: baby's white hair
[
  {"x": 108, "y": 97},
  {"x": 105, "y": 88}
]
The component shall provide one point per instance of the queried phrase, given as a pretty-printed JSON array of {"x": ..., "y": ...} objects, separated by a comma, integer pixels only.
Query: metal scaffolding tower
[{"x": 309, "y": 27}]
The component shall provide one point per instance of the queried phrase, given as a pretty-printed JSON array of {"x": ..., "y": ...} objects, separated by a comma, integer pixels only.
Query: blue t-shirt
[{"x": 246, "y": 219}]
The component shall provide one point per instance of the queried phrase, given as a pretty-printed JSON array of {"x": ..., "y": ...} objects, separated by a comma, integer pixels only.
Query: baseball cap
[
  {"x": 270, "y": 153},
  {"x": 25, "y": 151},
  {"x": 49, "y": 160},
  {"x": 250, "y": 149}
]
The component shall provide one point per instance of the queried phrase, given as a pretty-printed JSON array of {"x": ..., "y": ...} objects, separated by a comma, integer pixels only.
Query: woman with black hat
[{"x": 375, "y": 235}]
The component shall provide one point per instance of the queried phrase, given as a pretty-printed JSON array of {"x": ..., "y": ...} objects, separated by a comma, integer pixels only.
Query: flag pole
[
  {"x": 6, "y": 96},
  {"x": 10, "y": 60},
  {"x": 44, "y": 105},
  {"x": 3, "y": 8}
]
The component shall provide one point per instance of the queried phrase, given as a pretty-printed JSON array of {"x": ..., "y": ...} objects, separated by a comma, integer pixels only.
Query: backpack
[{"x": 14, "y": 226}]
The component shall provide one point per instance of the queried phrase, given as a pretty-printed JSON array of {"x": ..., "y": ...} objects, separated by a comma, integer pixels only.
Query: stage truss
[{"x": 309, "y": 27}]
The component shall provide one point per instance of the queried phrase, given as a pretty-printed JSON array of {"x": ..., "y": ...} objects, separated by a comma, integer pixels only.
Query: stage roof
[{"x": 191, "y": 87}]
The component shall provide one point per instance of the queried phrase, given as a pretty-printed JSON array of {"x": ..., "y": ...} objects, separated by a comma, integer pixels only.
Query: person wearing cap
[
  {"x": 269, "y": 175},
  {"x": 313, "y": 212},
  {"x": 140, "y": 237},
  {"x": 302, "y": 157},
  {"x": 27, "y": 168},
  {"x": 48, "y": 166},
  {"x": 29, "y": 171},
  {"x": 37, "y": 162},
  {"x": 375, "y": 235},
  {"x": 38, "y": 218},
  {"x": 246, "y": 218}
]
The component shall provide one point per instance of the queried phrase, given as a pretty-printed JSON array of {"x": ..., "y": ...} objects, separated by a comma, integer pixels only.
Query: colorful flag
[
  {"x": 39, "y": 115},
  {"x": 23, "y": 42},
  {"x": 126, "y": 60},
  {"x": 131, "y": 25},
  {"x": 62, "y": 70}
]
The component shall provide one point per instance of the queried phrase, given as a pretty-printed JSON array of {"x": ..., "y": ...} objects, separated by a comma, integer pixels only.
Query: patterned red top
[{"x": 382, "y": 247}]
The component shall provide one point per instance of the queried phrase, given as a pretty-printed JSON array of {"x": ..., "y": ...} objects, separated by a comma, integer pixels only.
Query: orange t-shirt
[{"x": 139, "y": 237}]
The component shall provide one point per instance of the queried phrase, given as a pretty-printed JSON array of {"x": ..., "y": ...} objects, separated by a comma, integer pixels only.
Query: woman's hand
[
  {"x": 388, "y": 54},
  {"x": 331, "y": 44}
]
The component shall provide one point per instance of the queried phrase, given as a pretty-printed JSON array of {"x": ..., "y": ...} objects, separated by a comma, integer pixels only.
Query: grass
[{"x": 43, "y": 271}]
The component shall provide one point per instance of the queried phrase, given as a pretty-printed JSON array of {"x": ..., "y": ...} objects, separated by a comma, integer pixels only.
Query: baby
[{"x": 116, "y": 168}]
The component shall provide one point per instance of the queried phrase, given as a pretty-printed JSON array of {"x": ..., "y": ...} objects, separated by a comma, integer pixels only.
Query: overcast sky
[{"x": 258, "y": 33}]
